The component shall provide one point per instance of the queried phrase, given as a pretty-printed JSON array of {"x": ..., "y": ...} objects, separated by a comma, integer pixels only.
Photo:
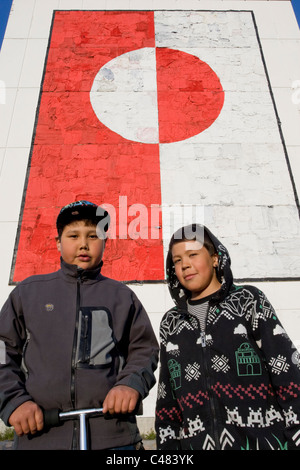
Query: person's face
[
  {"x": 80, "y": 245},
  {"x": 194, "y": 268}
]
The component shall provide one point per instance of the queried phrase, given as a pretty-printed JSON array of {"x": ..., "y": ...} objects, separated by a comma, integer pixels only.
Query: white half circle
[{"x": 124, "y": 95}]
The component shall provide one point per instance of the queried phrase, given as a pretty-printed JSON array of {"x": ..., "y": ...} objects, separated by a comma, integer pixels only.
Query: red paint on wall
[
  {"x": 190, "y": 95},
  {"x": 75, "y": 157}
]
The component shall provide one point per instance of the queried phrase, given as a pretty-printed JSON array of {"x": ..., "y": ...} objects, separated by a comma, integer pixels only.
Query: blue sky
[
  {"x": 296, "y": 6},
  {"x": 5, "y": 6},
  {"x": 4, "y": 12}
]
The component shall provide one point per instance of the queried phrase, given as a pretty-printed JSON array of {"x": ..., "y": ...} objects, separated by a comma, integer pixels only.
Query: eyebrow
[
  {"x": 76, "y": 230},
  {"x": 187, "y": 251}
]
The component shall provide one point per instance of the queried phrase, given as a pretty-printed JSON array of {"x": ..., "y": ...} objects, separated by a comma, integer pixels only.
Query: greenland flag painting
[{"x": 162, "y": 117}]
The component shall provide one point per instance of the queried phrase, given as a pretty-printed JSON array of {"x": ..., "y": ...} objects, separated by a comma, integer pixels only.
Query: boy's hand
[
  {"x": 121, "y": 399},
  {"x": 27, "y": 418}
]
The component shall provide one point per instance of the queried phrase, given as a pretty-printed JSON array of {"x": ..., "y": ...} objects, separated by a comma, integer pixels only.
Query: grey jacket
[{"x": 70, "y": 336}]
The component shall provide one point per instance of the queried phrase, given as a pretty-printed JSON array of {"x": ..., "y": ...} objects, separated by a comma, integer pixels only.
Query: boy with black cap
[{"x": 75, "y": 339}]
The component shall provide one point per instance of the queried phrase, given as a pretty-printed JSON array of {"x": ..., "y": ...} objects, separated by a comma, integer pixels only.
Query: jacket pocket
[
  {"x": 23, "y": 363},
  {"x": 95, "y": 343}
]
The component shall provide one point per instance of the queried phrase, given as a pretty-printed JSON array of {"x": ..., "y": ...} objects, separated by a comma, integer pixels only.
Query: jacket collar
[{"x": 73, "y": 272}]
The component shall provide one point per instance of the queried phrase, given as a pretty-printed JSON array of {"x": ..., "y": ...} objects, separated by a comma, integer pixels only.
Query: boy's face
[
  {"x": 194, "y": 268},
  {"x": 80, "y": 245}
]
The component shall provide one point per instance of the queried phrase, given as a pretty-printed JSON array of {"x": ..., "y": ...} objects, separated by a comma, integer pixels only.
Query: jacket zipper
[
  {"x": 73, "y": 365},
  {"x": 203, "y": 339},
  {"x": 208, "y": 381},
  {"x": 212, "y": 408},
  {"x": 211, "y": 400},
  {"x": 85, "y": 352}
]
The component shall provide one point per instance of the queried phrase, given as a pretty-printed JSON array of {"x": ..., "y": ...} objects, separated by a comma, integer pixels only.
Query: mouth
[
  {"x": 189, "y": 277},
  {"x": 84, "y": 257}
]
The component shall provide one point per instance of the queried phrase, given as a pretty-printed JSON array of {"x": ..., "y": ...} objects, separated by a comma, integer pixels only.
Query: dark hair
[{"x": 193, "y": 232}]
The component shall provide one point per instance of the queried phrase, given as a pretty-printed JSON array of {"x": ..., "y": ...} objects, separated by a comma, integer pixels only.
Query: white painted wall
[{"x": 21, "y": 67}]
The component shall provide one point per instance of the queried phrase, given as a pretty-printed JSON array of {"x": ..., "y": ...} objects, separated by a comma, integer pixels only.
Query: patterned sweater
[{"x": 234, "y": 386}]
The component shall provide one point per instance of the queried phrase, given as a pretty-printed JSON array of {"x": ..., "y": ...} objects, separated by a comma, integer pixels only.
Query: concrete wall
[{"x": 242, "y": 173}]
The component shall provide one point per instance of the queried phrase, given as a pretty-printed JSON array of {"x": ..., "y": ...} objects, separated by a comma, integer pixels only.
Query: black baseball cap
[{"x": 81, "y": 210}]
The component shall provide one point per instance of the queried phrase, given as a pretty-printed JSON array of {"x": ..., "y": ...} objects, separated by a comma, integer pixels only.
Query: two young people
[{"x": 229, "y": 375}]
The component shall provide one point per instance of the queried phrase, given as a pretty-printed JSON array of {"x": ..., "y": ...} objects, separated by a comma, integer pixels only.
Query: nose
[
  {"x": 84, "y": 243},
  {"x": 185, "y": 263}
]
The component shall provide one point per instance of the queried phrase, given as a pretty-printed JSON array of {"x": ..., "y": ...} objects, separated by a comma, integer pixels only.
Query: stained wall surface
[{"x": 166, "y": 112}]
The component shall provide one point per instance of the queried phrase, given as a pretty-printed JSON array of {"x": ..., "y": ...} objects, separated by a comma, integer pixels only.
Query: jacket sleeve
[
  {"x": 140, "y": 349},
  {"x": 282, "y": 361},
  {"x": 12, "y": 337},
  {"x": 168, "y": 417}
]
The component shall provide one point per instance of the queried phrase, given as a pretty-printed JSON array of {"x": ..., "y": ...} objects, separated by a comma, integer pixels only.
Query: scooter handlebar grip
[{"x": 51, "y": 418}]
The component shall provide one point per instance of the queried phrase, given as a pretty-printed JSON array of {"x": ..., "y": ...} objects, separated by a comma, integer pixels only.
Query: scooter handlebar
[
  {"x": 51, "y": 418},
  {"x": 54, "y": 417}
]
